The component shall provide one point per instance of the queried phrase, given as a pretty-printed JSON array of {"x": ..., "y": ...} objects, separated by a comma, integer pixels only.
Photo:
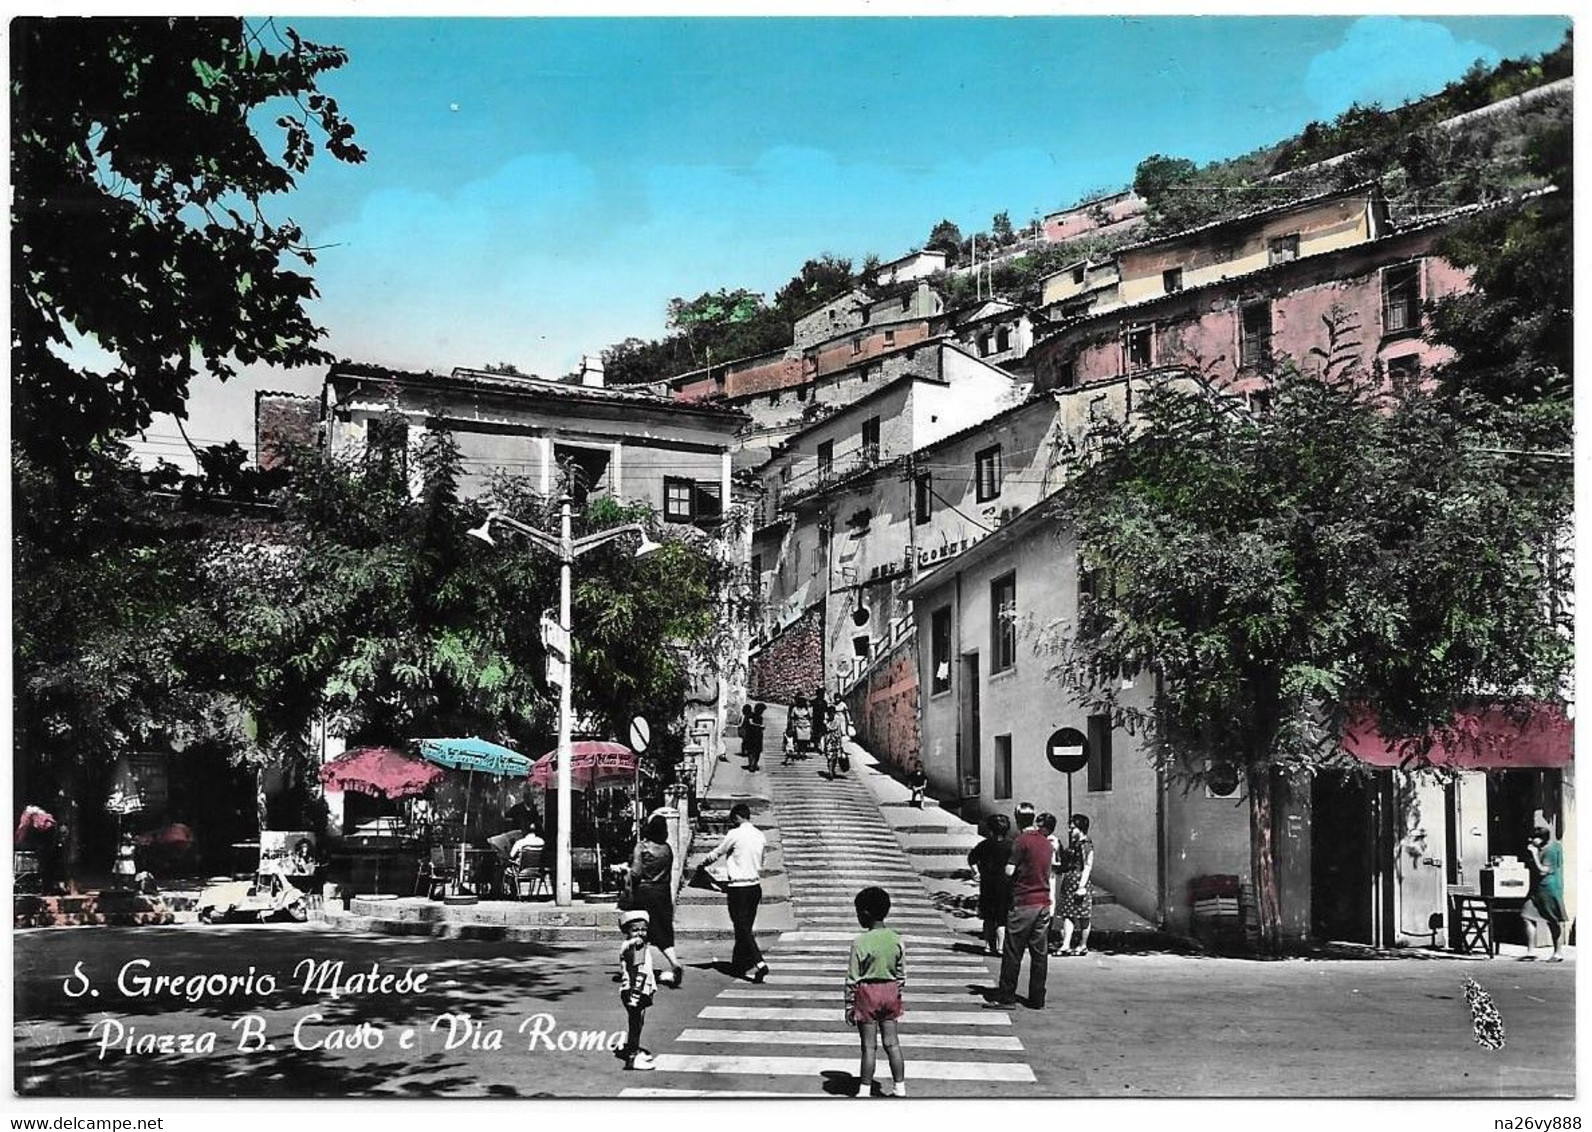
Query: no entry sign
[{"x": 1068, "y": 750}]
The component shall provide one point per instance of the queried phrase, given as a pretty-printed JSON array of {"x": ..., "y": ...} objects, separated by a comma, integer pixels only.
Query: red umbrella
[
  {"x": 592, "y": 761},
  {"x": 383, "y": 771}
]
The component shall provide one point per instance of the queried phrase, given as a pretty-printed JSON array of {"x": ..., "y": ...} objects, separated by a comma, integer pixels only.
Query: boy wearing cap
[{"x": 637, "y": 985}]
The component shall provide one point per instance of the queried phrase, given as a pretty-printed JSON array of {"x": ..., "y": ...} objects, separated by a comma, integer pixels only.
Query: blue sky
[{"x": 537, "y": 189}]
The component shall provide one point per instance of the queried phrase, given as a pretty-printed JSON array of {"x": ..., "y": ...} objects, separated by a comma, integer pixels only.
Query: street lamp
[{"x": 567, "y": 549}]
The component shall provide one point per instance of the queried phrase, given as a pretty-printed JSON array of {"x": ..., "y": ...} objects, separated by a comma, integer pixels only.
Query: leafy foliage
[
  {"x": 1356, "y": 546},
  {"x": 138, "y": 183}
]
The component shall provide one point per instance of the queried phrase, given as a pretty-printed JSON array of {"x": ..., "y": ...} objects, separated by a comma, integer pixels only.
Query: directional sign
[
  {"x": 640, "y": 734},
  {"x": 557, "y": 670},
  {"x": 1068, "y": 750},
  {"x": 555, "y": 636}
]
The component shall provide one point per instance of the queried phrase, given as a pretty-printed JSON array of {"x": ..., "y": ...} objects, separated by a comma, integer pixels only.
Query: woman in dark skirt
[
  {"x": 989, "y": 858},
  {"x": 652, "y": 891}
]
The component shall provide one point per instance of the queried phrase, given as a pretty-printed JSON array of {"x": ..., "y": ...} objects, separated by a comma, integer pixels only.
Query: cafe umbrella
[
  {"x": 593, "y": 763},
  {"x": 384, "y": 772},
  {"x": 472, "y": 755}
]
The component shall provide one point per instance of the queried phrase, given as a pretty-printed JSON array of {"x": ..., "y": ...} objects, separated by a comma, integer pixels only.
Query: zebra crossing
[{"x": 787, "y": 1037}]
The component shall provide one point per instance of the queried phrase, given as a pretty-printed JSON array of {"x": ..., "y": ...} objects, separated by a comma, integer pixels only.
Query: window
[
  {"x": 1136, "y": 344},
  {"x": 1403, "y": 368},
  {"x": 987, "y": 472},
  {"x": 1078, "y": 273},
  {"x": 1283, "y": 249},
  {"x": 922, "y": 497},
  {"x": 940, "y": 651},
  {"x": 692, "y": 501},
  {"x": 1172, "y": 279},
  {"x": 906, "y": 301},
  {"x": 889, "y": 337},
  {"x": 1099, "y": 753},
  {"x": 1065, "y": 375},
  {"x": 1003, "y": 766},
  {"x": 1254, "y": 334},
  {"x": 773, "y": 398},
  {"x": 856, "y": 346},
  {"x": 986, "y": 345},
  {"x": 387, "y": 446},
  {"x": 826, "y": 459},
  {"x": 1003, "y": 340},
  {"x": 801, "y": 393},
  {"x": 1401, "y": 299},
  {"x": 870, "y": 440},
  {"x": 677, "y": 497},
  {"x": 809, "y": 363},
  {"x": 1003, "y": 623}
]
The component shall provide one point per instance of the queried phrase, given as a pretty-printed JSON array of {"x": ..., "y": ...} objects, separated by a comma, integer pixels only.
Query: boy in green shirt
[{"x": 874, "y": 979}]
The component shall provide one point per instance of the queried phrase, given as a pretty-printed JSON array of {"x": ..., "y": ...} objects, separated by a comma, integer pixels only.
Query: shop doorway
[{"x": 1342, "y": 858}]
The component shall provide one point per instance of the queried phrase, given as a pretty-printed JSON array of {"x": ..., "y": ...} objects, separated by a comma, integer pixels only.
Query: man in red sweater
[{"x": 1028, "y": 924}]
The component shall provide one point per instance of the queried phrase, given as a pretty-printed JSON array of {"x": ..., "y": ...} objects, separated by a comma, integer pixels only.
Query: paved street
[
  {"x": 788, "y": 1035},
  {"x": 1117, "y": 1025}
]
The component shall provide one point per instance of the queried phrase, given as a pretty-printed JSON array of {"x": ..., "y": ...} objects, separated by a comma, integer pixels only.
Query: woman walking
[
  {"x": 822, "y": 712},
  {"x": 1075, "y": 903},
  {"x": 798, "y": 730},
  {"x": 839, "y": 730},
  {"x": 652, "y": 891},
  {"x": 1545, "y": 901},
  {"x": 752, "y": 734}
]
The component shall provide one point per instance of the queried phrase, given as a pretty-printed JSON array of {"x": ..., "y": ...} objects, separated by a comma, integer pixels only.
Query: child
[
  {"x": 874, "y": 979},
  {"x": 637, "y": 985}
]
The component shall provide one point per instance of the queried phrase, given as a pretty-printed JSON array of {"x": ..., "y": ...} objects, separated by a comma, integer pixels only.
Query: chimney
[{"x": 591, "y": 371}]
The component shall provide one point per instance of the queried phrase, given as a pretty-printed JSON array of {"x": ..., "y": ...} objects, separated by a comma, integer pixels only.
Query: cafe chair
[
  {"x": 437, "y": 873},
  {"x": 526, "y": 875}
]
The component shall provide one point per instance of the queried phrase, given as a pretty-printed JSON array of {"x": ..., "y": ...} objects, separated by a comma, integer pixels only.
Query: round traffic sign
[
  {"x": 640, "y": 734},
  {"x": 1068, "y": 750}
]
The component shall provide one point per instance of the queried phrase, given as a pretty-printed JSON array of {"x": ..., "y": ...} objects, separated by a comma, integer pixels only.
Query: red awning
[{"x": 1488, "y": 738}]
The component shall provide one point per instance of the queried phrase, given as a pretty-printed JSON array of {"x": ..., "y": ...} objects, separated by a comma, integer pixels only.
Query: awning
[{"x": 1487, "y": 738}]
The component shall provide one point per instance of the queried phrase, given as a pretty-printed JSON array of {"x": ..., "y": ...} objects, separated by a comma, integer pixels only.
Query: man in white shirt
[{"x": 742, "y": 851}]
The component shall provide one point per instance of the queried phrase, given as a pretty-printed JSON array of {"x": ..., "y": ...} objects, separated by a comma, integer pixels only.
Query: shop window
[
  {"x": 987, "y": 472},
  {"x": 1283, "y": 249},
  {"x": 1401, "y": 299},
  {"x": 1099, "y": 753},
  {"x": 922, "y": 497},
  {"x": 1003, "y": 767},
  {"x": 1003, "y": 623},
  {"x": 1254, "y": 334},
  {"x": 1172, "y": 279},
  {"x": 940, "y": 651}
]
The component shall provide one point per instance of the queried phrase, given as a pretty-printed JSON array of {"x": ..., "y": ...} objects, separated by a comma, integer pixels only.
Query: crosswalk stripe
[
  {"x": 797, "y": 993},
  {"x": 825, "y": 961},
  {"x": 639, "y": 1093},
  {"x": 827, "y": 1014},
  {"x": 811, "y": 1066},
  {"x": 849, "y": 1038},
  {"x": 834, "y": 980}
]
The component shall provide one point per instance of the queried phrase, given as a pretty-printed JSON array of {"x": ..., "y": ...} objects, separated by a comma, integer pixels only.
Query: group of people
[
  {"x": 1035, "y": 888},
  {"x": 816, "y": 725}
]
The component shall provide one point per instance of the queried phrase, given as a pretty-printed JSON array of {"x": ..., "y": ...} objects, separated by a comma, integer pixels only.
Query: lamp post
[{"x": 567, "y": 549}]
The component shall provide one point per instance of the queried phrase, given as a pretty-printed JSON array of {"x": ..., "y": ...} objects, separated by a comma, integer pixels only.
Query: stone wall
[
  {"x": 792, "y": 663},
  {"x": 885, "y": 707}
]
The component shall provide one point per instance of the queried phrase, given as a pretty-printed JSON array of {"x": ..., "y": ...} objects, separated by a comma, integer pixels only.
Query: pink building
[
  {"x": 1120, "y": 212},
  {"x": 1338, "y": 257}
]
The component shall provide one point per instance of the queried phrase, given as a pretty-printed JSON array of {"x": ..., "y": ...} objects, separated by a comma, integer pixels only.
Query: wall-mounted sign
[{"x": 1068, "y": 750}]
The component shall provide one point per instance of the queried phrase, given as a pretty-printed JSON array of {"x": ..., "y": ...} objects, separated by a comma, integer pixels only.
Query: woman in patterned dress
[{"x": 1073, "y": 902}]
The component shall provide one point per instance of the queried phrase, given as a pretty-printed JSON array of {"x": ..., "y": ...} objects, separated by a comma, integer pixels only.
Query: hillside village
[{"x": 894, "y": 455}]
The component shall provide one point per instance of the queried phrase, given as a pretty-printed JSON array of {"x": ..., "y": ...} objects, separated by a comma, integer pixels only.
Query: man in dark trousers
[
  {"x": 1028, "y": 923},
  {"x": 742, "y": 852}
]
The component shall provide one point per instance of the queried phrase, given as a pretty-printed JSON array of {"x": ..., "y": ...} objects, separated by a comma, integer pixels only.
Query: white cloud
[{"x": 1389, "y": 59}]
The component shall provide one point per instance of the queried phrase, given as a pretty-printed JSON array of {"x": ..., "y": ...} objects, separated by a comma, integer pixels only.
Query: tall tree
[
  {"x": 945, "y": 237},
  {"x": 138, "y": 225},
  {"x": 1352, "y": 548},
  {"x": 821, "y": 279}
]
